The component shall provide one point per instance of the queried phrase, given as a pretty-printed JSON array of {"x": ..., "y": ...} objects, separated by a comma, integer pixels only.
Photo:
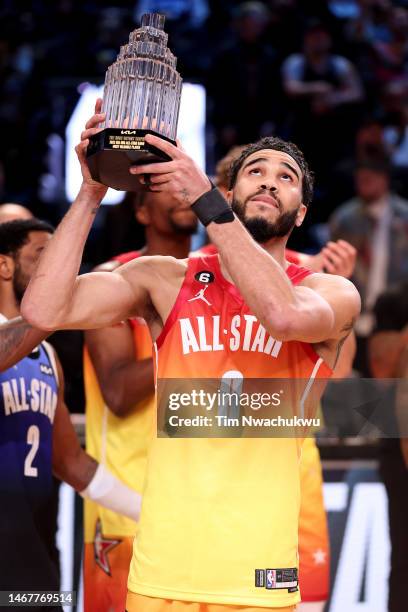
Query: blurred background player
[
  {"x": 388, "y": 351},
  {"x": 314, "y": 543},
  {"x": 119, "y": 386},
  {"x": 375, "y": 222},
  {"x": 36, "y": 434},
  {"x": 10, "y": 212}
]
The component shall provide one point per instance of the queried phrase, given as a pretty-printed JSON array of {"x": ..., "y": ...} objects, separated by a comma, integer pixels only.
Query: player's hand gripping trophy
[{"x": 141, "y": 96}]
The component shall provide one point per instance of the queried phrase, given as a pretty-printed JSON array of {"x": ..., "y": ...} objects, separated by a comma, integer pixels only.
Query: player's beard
[
  {"x": 260, "y": 228},
  {"x": 20, "y": 283},
  {"x": 182, "y": 229}
]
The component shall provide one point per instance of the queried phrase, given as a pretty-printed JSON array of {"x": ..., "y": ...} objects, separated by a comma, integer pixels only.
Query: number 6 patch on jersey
[{"x": 205, "y": 277}]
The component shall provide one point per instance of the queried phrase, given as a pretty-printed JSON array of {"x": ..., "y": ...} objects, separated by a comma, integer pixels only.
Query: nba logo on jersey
[
  {"x": 46, "y": 369},
  {"x": 259, "y": 578},
  {"x": 270, "y": 579}
]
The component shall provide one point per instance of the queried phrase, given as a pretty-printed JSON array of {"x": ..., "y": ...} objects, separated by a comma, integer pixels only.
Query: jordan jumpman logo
[{"x": 200, "y": 296}]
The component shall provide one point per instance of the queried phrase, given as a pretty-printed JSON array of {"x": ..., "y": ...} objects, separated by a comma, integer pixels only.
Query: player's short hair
[
  {"x": 14, "y": 234},
  {"x": 223, "y": 167},
  {"x": 277, "y": 144},
  {"x": 391, "y": 308},
  {"x": 139, "y": 198}
]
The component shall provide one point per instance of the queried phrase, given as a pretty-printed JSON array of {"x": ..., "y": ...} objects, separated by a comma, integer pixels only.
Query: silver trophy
[{"x": 141, "y": 96}]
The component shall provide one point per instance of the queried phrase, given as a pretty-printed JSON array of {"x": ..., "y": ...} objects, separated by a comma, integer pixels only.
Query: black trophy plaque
[{"x": 141, "y": 96}]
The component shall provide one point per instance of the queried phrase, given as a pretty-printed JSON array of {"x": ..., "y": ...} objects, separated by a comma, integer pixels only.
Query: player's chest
[{"x": 28, "y": 388}]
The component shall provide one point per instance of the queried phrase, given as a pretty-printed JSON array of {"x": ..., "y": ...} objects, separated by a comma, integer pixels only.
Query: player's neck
[
  {"x": 177, "y": 246},
  {"x": 276, "y": 247},
  {"x": 9, "y": 306}
]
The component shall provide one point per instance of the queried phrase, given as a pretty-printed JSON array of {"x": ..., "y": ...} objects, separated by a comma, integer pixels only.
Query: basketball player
[
  {"x": 118, "y": 374},
  {"x": 119, "y": 386},
  {"x": 214, "y": 510},
  {"x": 11, "y": 212},
  {"x": 314, "y": 549},
  {"x": 36, "y": 435}
]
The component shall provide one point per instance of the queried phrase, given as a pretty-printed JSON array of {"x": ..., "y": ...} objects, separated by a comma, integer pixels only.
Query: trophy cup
[{"x": 141, "y": 96}]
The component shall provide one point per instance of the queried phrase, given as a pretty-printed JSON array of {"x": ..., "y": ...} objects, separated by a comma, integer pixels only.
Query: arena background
[{"x": 234, "y": 55}]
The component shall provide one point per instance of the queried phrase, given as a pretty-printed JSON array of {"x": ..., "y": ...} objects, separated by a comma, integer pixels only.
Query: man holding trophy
[{"x": 219, "y": 520}]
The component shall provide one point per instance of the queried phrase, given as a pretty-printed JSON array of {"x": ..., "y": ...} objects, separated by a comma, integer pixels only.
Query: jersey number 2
[{"x": 33, "y": 439}]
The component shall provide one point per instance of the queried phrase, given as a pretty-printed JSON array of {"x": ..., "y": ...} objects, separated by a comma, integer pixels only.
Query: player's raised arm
[
  {"x": 56, "y": 297},
  {"x": 269, "y": 186},
  {"x": 312, "y": 313}
]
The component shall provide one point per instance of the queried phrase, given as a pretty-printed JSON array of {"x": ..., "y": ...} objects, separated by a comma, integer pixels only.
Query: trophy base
[{"x": 112, "y": 151}]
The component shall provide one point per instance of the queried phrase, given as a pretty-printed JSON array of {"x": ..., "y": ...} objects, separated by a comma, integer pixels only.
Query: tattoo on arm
[
  {"x": 185, "y": 195},
  {"x": 17, "y": 340},
  {"x": 339, "y": 347},
  {"x": 11, "y": 338},
  {"x": 348, "y": 328}
]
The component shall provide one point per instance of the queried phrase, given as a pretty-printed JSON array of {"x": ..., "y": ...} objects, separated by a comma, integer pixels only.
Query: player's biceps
[
  {"x": 316, "y": 319},
  {"x": 102, "y": 303}
]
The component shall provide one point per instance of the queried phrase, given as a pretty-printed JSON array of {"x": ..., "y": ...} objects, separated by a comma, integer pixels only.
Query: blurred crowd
[{"x": 330, "y": 75}]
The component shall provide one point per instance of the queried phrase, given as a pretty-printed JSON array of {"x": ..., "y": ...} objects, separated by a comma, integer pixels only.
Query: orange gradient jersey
[
  {"x": 218, "y": 512},
  {"x": 314, "y": 549}
]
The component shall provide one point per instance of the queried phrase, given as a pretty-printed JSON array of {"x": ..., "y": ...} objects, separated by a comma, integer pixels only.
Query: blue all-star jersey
[{"x": 28, "y": 402}]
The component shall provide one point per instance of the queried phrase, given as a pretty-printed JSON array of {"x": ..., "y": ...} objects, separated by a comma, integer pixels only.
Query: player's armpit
[{"x": 17, "y": 339}]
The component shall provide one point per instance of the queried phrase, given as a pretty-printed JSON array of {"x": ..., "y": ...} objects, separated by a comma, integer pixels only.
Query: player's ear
[
  {"x": 142, "y": 214},
  {"x": 300, "y": 215},
  {"x": 7, "y": 267},
  {"x": 228, "y": 196},
  {"x": 141, "y": 210}
]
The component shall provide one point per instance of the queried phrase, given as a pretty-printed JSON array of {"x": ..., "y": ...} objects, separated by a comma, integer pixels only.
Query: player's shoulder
[
  {"x": 154, "y": 266},
  {"x": 107, "y": 266},
  {"x": 334, "y": 286},
  {"x": 160, "y": 264},
  {"x": 321, "y": 279}
]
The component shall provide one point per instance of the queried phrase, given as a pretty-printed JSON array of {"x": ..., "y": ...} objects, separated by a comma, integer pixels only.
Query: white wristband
[{"x": 108, "y": 491}]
